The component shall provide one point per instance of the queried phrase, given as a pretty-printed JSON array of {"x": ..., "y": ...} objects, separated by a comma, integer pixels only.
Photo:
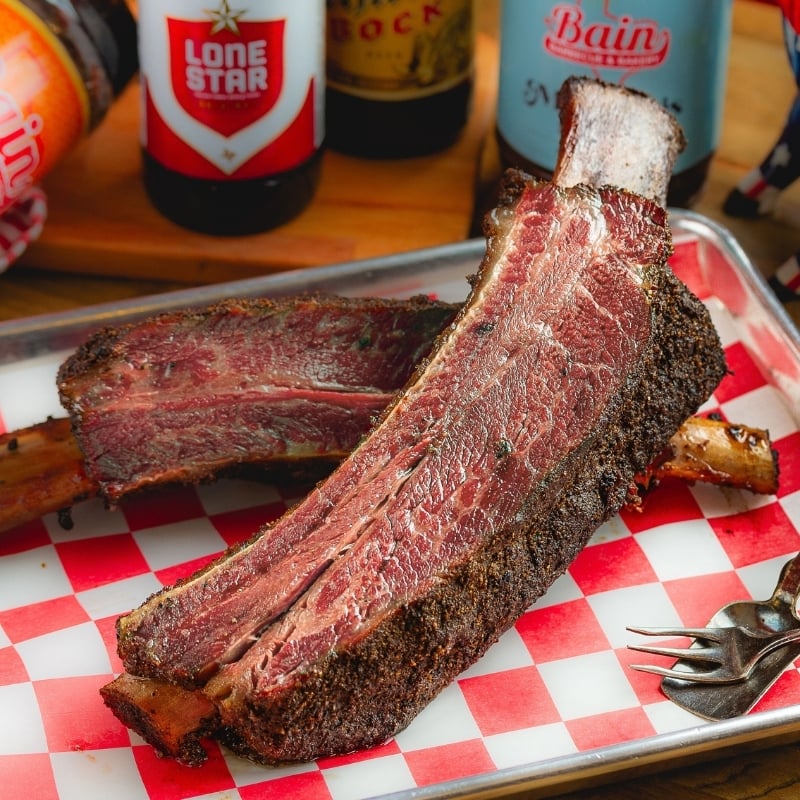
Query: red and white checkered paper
[
  {"x": 21, "y": 224},
  {"x": 557, "y": 684}
]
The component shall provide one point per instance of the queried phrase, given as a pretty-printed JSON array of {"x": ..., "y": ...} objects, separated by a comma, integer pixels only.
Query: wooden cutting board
[{"x": 101, "y": 221}]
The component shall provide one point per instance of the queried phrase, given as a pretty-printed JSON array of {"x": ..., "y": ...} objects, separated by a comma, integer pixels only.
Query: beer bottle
[
  {"x": 674, "y": 51},
  {"x": 233, "y": 110},
  {"x": 399, "y": 76},
  {"x": 62, "y": 65}
]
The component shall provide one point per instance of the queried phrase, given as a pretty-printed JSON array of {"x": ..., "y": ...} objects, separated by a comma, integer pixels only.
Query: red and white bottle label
[
  {"x": 617, "y": 42},
  {"x": 232, "y": 89}
]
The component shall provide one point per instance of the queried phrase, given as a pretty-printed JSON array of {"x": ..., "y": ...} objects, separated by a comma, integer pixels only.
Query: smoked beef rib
[
  {"x": 184, "y": 395},
  {"x": 576, "y": 357}
]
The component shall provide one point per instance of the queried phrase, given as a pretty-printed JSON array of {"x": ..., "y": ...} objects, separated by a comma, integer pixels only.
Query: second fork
[{"x": 718, "y": 655}]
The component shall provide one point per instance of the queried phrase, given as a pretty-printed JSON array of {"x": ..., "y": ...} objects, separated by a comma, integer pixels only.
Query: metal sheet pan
[
  {"x": 399, "y": 275},
  {"x": 753, "y": 322}
]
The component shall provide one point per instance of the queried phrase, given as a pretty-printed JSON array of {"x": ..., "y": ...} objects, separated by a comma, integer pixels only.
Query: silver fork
[
  {"x": 718, "y": 655},
  {"x": 738, "y": 636}
]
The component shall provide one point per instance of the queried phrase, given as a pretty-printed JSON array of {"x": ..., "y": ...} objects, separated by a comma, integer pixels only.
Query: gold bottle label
[{"x": 398, "y": 49}]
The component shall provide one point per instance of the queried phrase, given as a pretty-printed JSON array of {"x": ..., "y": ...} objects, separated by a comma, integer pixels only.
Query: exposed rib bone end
[{"x": 614, "y": 136}]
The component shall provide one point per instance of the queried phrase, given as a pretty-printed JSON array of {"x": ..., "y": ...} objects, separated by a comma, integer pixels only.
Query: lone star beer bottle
[
  {"x": 674, "y": 50},
  {"x": 232, "y": 110},
  {"x": 400, "y": 75}
]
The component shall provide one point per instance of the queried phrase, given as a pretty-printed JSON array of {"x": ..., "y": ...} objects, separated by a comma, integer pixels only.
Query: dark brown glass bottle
[
  {"x": 233, "y": 114},
  {"x": 230, "y": 208},
  {"x": 399, "y": 76}
]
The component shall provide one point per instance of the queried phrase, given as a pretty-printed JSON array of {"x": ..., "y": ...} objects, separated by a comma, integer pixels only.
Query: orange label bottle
[{"x": 54, "y": 85}]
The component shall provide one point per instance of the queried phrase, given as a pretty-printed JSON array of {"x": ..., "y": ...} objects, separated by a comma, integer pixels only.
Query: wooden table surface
[{"x": 102, "y": 243}]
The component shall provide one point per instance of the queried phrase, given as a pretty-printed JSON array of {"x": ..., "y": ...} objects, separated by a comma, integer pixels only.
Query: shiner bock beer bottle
[
  {"x": 674, "y": 50},
  {"x": 233, "y": 110},
  {"x": 400, "y": 75}
]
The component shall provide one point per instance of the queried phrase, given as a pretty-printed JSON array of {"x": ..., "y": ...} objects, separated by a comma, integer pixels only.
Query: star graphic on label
[
  {"x": 781, "y": 156},
  {"x": 225, "y": 18}
]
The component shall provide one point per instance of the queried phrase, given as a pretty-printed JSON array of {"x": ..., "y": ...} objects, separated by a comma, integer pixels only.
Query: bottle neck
[{"x": 112, "y": 29}]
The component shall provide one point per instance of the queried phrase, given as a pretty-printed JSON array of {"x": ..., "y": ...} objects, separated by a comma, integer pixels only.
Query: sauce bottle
[
  {"x": 232, "y": 110},
  {"x": 62, "y": 64},
  {"x": 674, "y": 50},
  {"x": 399, "y": 76}
]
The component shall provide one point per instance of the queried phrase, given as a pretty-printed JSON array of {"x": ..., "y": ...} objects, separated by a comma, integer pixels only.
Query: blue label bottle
[{"x": 674, "y": 50}]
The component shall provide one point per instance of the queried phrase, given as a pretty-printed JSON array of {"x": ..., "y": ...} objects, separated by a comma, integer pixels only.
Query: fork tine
[
  {"x": 708, "y": 634},
  {"x": 711, "y": 676},
  {"x": 706, "y": 654}
]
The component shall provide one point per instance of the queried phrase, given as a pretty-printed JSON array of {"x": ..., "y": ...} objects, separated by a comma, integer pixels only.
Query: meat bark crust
[
  {"x": 575, "y": 359},
  {"x": 185, "y": 394}
]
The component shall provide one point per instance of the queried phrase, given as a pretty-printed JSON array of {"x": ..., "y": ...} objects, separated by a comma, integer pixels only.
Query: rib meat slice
[
  {"x": 182, "y": 395},
  {"x": 576, "y": 357}
]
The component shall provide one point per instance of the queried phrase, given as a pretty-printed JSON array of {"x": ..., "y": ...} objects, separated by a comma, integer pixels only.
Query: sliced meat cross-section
[{"x": 576, "y": 357}]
